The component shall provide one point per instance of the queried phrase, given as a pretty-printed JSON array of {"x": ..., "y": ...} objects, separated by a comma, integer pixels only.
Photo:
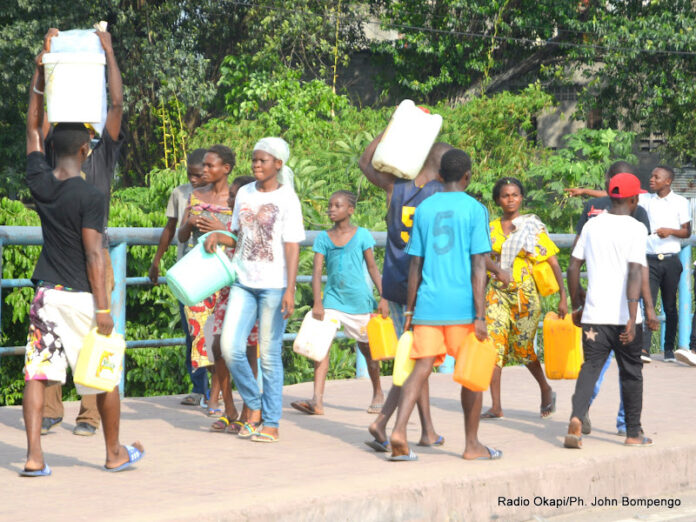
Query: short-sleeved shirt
[
  {"x": 406, "y": 196},
  {"x": 525, "y": 261},
  {"x": 98, "y": 169},
  {"x": 449, "y": 227},
  {"x": 65, "y": 208},
  {"x": 176, "y": 208},
  {"x": 608, "y": 243},
  {"x": 265, "y": 221},
  {"x": 672, "y": 211},
  {"x": 347, "y": 287},
  {"x": 595, "y": 206}
]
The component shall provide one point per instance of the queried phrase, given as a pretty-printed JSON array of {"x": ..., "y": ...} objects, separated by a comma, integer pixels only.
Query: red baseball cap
[{"x": 624, "y": 185}]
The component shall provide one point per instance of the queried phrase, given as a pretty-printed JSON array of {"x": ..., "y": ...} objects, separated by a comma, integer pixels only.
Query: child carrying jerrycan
[{"x": 347, "y": 299}]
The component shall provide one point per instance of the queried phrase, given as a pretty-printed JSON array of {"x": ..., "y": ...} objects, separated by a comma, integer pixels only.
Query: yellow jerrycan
[
  {"x": 475, "y": 363},
  {"x": 563, "y": 355},
  {"x": 403, "y": 364},
  {"x": 100, "y": 362},
  {"x": 544, "y": 278},
  {"x": 382, "y": 338}
]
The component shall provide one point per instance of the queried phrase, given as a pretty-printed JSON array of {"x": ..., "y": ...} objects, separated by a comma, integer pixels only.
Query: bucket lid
[{"x": 93, "y": 58}]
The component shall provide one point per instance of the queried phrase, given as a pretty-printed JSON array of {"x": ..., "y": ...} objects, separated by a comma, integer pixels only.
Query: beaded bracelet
[{"x": 105, "y": 311}]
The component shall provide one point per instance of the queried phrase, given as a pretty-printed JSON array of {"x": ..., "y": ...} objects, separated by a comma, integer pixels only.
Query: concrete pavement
[{"x": 321, "y": 470}]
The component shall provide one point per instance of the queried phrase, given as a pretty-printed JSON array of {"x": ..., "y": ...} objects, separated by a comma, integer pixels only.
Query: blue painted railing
[{"x": 120, "y": 238}]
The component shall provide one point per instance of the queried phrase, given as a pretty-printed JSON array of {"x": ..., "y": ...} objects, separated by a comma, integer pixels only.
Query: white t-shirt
[
  {"x": 608, "y": 243},
  {"x": 672, "y": 211},
  {"x": 264, "y": 221},
  {"x": 176, "y": 208}
]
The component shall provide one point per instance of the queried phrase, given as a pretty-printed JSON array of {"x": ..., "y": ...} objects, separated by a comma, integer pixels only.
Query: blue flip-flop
[
  {"x": 493, "y": 454},
  {"x": 134, "y": 455},
  {"x": 380, "y": 447},
  {"x": 45, "y": 472},
  {"x": 404, "y": 458},
  {"x": 439, "y": 442}
]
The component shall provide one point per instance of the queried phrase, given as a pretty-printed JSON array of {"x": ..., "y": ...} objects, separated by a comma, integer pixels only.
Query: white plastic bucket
[
  {"x": 407, "y": 140},
  {"x": 315, "y": 336},
  {"x": 75, "y": 84},
  {"x": 199, "y": 274}
]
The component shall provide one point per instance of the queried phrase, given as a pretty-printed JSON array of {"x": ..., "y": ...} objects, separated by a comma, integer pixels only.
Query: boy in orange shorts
[{"x": 446, "y": 295}]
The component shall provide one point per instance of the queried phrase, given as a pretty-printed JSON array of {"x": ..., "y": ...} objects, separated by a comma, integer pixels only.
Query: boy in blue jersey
[{"x": 446, "y": 295}]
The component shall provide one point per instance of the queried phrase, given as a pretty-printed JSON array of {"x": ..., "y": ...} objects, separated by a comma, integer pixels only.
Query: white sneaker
[{"x": 685, "y": 356}]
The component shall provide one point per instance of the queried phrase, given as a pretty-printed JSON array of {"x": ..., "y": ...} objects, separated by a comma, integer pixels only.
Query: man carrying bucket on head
[
  {"x": 98, "y": 170},
  {"x": 403, "y": 197},
  {"x": 71, "y": 296}
]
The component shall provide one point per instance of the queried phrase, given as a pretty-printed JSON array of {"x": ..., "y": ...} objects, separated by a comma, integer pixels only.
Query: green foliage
[
  {"x": 151, "y": 372},
  {"x": 446, "y": 45},
  {"x": 649, "y": 90},
  {"x": 583, "y": 162}
]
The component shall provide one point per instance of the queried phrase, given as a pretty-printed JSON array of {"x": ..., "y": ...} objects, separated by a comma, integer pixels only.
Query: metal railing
[{"x": 120, "y": 238}]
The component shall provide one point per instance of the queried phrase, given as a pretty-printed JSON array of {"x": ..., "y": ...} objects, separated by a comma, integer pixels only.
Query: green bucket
[{"x": 199, "y": 274}]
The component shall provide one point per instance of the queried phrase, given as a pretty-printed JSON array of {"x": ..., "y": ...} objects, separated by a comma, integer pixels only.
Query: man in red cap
[{"x": 612, "y": 245}]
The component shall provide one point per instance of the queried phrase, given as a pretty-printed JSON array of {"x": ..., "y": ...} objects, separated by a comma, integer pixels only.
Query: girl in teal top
[{"x": 347, "y": 298}]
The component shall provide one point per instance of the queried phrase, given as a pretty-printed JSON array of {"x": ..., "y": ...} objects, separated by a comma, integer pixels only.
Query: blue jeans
[
  {"x": 245, "y": 306},
  {"x": 199, "y": 378},
  {"x": 621, "y": 416}
]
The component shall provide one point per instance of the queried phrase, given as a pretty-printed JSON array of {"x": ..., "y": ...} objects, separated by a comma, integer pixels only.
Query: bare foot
[
  {"x": 378, "y": 432},
  {"x": 122, "y": 456},
  {"x": 399, "y": 446}
]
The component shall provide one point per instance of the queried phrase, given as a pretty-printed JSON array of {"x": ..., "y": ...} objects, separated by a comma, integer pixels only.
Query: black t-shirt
[
  {"x": 65, "y": 208},
  {"x": 597, "y": 206},
  {"x": 98, "y": 168}
]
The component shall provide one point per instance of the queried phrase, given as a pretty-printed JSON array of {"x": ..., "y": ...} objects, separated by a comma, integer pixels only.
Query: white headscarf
[{"x": 278, "y": 148}]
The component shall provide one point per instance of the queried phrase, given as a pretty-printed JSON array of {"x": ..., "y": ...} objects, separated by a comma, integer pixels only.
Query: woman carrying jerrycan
[
  {"x": 268, "y": 220},
  {"x": 519, "y": 242}
]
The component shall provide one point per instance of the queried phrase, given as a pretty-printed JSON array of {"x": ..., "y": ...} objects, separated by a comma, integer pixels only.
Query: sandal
[
  {"x": 214, "y": 412},
  {"x": 192, "y": 399},
  {"x": 546, "y": 412},
  {"x": 234, "y": 427},
  {"x": 264, "y": 437},
  {"x": 249, "y": 429},
  {"x": 221, "y": 424}
]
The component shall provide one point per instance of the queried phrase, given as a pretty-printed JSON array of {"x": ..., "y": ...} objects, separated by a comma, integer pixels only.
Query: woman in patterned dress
[
  {"x": 513, "y": 307},
  {"x": 207, "y": 210}
]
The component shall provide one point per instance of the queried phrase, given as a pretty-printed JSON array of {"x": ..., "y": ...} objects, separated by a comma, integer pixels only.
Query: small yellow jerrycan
[
  {"x": 382, "y": 337},
  {"x": 475, "y": 363},
  {"x": 563, "y": 355},
  {"x": 544, "y": 278},
  {"x": 100, "y": 362},
  {"x": 403, "y": 364}
]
